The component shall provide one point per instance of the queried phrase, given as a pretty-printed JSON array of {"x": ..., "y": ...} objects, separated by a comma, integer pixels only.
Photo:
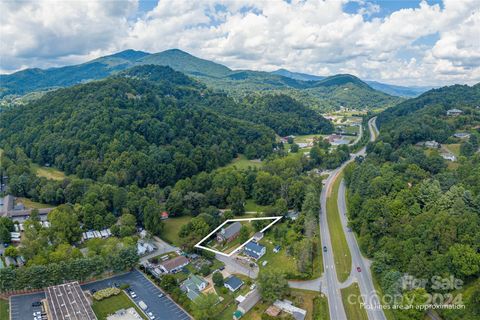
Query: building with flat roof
[{"x": 68, "y": 301}]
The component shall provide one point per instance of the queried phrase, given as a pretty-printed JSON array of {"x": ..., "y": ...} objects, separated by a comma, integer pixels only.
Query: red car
[{"x": 358, "y": 269}]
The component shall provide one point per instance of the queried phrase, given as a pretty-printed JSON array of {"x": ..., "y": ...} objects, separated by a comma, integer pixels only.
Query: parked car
[
  {"x": 150, "y": 315},
  {"x": 37, "y": 304},
  {"x": 133, "y": 294},
  {"x": 160, "y": 295}
]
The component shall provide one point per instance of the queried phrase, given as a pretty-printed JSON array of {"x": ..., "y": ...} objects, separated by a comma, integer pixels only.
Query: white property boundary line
[{"x": 275, "y": 219}]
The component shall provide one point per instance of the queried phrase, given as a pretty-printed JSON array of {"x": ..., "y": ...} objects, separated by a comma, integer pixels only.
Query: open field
[
  {"x": 307, "y": 138},
  {"x": 353, "y": 310},
  {"x": 241, "y": 162},
  {"x": 172, "y": 227},
  {"x": 341, "y": 252},
  {"x": 49, "y": 173},
  {"x": 108, "y": 306},
  {"x": 251, "y": 206},
  {"x": 453, "y": 148},
  {"x": 4, "y": 313},
  {"x": 32, "y": 204}
]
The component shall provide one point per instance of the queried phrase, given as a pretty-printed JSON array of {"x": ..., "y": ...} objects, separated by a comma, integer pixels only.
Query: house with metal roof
[
  {"x": 233, "y": 283},
  {"x": 174, "y": 265},
  {"x": 229, "y": 233},
  {"x": 254, "y": 250},
  {"x": 249, "y": 302}
]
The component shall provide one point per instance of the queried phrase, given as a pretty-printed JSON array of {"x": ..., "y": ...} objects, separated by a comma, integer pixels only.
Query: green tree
[
  {"x": 64, "y": 225},
  {"x": 203, "y": 305},
  {"x": 217, "y": 278},
  {"x": 244, "y": 234},
  {"x": 236, "y": 199},
  {"x": 272, "y": 285}
]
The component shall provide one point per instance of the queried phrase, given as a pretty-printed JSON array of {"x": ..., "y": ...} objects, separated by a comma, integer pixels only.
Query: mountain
[
  {"x": 322, "y": 93},
  {"x": 297, "y": 75},
  {"x": 149, "y": 124},
  {"x": 425, "y": 117},
  {"x": 398, "y": 90},
  {"x": 394, "y": 90}
]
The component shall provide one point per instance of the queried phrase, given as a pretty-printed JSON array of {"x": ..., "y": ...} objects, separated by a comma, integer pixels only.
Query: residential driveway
[
  {"x": 162, "y": 308},
  {"x": 162, "y": 247},
  {"x": 234, "y": 266},
  {"x": 21, "y": 306}
]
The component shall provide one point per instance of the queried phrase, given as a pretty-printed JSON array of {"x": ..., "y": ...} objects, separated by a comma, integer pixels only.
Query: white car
[
  {"x": 150, "y": 315},
  {"x": 133, "y": 294}
]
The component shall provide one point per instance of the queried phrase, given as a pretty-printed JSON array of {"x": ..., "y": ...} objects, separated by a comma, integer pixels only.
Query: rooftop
[
  {"x": 67, "y": 301},
  {"x": 174, "y": 263},
  {"x": 231, "y": 230},
  {"x": 234, "y": 282}
]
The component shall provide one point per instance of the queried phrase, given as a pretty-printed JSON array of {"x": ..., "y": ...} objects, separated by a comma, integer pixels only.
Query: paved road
[
  {"x": 312, "y": 285},
  {"x": 162, "y": 247},
  {"x": 233, "y": 266},
  {"x": 364, "y": 278},
  {"x": 330, "y": 284}
]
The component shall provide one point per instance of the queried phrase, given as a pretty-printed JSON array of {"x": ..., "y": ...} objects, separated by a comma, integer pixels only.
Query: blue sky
[{"x": 432, "y": 42}]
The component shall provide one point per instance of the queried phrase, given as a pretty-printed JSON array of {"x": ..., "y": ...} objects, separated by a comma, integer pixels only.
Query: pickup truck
[{"x": 142, "y": 305}]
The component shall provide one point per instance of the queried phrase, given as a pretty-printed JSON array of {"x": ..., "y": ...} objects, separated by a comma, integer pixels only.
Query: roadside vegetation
[
  {"x": 341, "y": 252},
  {"x": 351, "y": 298}
]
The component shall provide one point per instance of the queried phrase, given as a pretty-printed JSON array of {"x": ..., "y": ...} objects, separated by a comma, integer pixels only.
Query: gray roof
[
  {"x": 231, "y": 230},
  {"x": 234, "y": 282},
  {"x": 250, "y": 300}
]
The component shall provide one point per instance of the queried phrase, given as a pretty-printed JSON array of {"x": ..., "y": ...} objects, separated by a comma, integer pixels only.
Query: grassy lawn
[
  {"x": 108, "y": 306},
  {"x": 453, "y": 148},
  {"x": 172, "y": 227},
  {"x": 4, "y": 313},
  {"x": 307, "y": 138},
  {"x": 49, "y": 173},
  {"x": 353, "y": 310},
  {"x": 241, "y": 162},
  {"x": 250, "y": 205},
  {"x": 32, "y": 204},
  {"x": 341, "y": 252}
]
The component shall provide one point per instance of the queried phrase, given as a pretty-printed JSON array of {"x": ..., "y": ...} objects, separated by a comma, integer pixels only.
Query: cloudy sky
[{"x": 401, "y": 42}]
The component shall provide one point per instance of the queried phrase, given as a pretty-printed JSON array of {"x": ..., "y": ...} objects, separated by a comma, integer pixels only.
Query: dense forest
[
  {"x": 129, "y": 130},
  {"x": 415, "y": 213}
]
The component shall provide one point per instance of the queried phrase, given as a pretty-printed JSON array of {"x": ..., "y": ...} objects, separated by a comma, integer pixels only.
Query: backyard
[{"x": 172, "y": 227}]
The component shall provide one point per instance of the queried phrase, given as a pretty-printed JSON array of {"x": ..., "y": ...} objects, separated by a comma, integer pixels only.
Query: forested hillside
[
  {"x": 128, "y": 130},
  {"x": 415, "y": 212},
  {"x": 324, "y": 93}
]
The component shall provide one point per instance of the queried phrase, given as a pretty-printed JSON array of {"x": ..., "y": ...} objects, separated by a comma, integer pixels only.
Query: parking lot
[
  {"x": 21, "y": 306},
  {"x": 161, "y": 307}
]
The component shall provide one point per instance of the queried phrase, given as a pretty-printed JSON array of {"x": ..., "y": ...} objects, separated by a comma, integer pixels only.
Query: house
[
  {"x": 276, "y": 249},
  {"x": 454, "y": 112},
  {"x": 254, "y": 250},
  {"x": 144, "y": 248},
  {"x": 249, "y": 302},
  {"x": 462, "y": 135},
  {"x": 9, "y": 261},
  {"x": 229, "y": 233},
  {"x": 233, "y": 283},
  {"x": 164, "y": 215},
  {"x": 174, "y": 265},
  {"x": 448, "y": 156},
  {"x": 431, "y": 144},
  {"x": 258, "y": 236},
  {"x": 193, "y": 286},
  {"x": 292, "y": 215},
  {"x": 288, "y": 307},
  {"x": 15, "y": 236},
  {"x": 17, "y": 211}
]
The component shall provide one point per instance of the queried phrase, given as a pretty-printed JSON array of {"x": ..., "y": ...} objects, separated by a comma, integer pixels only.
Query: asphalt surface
[
  {"x": 162, "y": 308},
  {"x": 330, "y": 285},
  {"x": 21, "y": 306}
]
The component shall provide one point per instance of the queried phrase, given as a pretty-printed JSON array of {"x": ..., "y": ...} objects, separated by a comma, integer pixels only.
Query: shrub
[{"x": 105, "y": 293}]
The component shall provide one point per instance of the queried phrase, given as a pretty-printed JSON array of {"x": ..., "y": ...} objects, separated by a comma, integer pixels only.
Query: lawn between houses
[
  {"x": 110, "y": 305},
  {"x": 341, "y": 252}
]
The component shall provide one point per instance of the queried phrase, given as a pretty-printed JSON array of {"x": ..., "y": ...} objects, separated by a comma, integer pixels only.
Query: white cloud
[{"x": 310, "y": 36}]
